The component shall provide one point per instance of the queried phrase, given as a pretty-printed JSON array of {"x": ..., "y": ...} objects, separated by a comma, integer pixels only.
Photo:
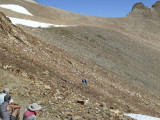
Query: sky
[{"x": 102, "y": 8}]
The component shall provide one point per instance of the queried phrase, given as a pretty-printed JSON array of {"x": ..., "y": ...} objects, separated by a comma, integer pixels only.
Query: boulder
[
  {"x": 6, "y": 67},
  {"x": 81, "y": 102},
  {"x": 76, "y": 117},
  {"x": 47, "y": 87},
  {"x": 64, "y": 79}
]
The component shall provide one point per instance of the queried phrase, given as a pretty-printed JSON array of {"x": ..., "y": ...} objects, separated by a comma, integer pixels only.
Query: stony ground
[
  {"x": 120, "y": 61},
  {"x": 50, "y": 77},
  {"x": 125, "y": 56},
  {"x": 64, "y": 104}
]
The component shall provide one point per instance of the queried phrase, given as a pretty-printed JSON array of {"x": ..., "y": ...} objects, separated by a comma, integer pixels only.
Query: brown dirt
[
  {"x": 120, "y": 61},
  {"x": 42, "y": 65}
]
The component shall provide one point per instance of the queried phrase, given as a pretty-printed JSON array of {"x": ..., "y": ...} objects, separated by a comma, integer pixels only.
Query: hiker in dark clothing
[
  {"x": 9, "y": 111},
  {"x": 84, "y": 81}
]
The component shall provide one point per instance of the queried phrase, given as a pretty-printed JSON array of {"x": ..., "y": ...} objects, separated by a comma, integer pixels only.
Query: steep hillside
[
  {"x": 120, "y": 58},
  {"x": 128, "y": 48},
  {"x": 39, "y": 72},
  {"x": 126, "y": 57}
]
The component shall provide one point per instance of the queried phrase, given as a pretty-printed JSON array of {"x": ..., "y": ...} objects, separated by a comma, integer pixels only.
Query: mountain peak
[
  {"x": 141, "y": 10},
  {"x": 156, "y": 5},
  {"x": 138, "y": 6}
]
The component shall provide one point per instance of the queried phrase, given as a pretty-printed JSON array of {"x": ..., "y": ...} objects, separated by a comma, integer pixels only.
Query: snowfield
[
  {"x": 31, "y": 23},
  {"x": 16, "y": 8},
  {"x": 141, "y": 117}
]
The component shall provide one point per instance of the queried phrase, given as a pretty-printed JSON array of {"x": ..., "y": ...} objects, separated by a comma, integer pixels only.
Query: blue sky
[{"x": 103, "y": 8}]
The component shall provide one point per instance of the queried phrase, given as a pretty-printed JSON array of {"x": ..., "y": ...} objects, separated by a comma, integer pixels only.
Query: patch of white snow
[
  {"x": 16, "y": 8},
  {"x": 141, "y": 117},
  {"x": 31, "y": 23},
  {"x": 32, "y": 1}
]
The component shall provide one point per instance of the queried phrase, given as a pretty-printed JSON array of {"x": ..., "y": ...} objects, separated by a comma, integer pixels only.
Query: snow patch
[
  {"x": 141, "y": 117},
  {"x": 16, "y": 8},
  {"x": 32, "y": 1},
  {"x": 31, "y": 23}
]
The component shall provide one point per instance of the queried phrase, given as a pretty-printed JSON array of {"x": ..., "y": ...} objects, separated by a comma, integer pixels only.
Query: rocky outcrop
[
  {"x": 139, "y": 9},
  {"x": 156, "y": 5},
  {"x": 139, "y": 6}
]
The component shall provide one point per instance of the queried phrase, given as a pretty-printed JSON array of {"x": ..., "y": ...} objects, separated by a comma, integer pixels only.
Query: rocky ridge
[{"x": 139, "y": 9}]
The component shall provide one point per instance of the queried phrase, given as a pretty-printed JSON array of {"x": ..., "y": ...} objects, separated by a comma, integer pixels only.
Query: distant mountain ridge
[{"x": 141, "y": 10}]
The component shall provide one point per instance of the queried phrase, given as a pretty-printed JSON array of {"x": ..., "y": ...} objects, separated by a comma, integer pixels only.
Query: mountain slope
[
  {"x": 128, "y": 51},
  {"x": 37, "y": 69},
  {"x": 118, "y": 56}
]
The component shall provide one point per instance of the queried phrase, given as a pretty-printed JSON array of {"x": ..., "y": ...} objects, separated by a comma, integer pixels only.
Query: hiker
[
  {"x": 31, "y": 112},
  {"x": 5, "y": 92},
  {"x": 9, "y": 111},
  {"x": 84, "y": 81}
]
